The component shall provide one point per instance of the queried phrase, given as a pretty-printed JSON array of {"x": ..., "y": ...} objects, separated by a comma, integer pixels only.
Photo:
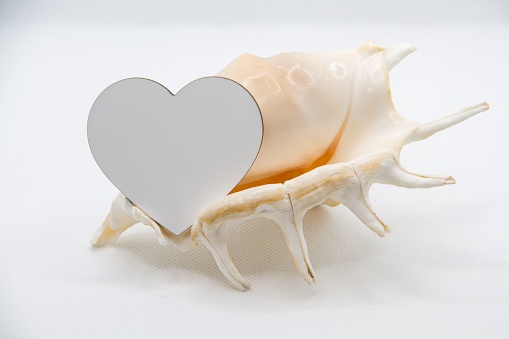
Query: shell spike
[
  {"x": 309, "y": 275},
  {"x": 394, "y": 55},
  {"x": 384, "y": 168},
  {"x": 105, "y": 234},
  {"x": 392, "y": 173},
  {"x": 360, "y": 205},
  {"x": 426, "y": 130},
  {"x": 115, "y": 223},
  {"x": 357, "y": 198},
  {"x": 216, "y": 243},
  {"x": 406, "y": 179},
  {"x": 294, "y": 236}
]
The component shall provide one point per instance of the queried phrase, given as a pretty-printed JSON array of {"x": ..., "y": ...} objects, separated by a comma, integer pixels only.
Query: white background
[{"x": 443, "y": 272}]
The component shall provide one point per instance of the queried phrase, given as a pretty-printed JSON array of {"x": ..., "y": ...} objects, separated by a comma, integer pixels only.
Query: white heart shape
[{"x": 172, "y": 154}]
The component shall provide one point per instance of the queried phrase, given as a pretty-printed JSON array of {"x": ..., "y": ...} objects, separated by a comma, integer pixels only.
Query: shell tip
[
  {"x": 449, "y": 181},
  {"x": 246, "y": 286}
]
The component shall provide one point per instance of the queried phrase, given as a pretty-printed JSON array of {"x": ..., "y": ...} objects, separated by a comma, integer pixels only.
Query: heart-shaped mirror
[{"x": 172, "y": 154}]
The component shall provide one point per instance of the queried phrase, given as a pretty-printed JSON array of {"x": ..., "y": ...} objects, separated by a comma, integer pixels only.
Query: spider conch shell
[{"x": 330, "y": 132}]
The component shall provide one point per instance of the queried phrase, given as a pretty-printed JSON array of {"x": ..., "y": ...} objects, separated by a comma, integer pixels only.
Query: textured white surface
[{"x": 443, "y": 272}]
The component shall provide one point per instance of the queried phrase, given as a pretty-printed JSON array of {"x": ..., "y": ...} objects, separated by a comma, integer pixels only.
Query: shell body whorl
[{"x": 317, "y": 108}]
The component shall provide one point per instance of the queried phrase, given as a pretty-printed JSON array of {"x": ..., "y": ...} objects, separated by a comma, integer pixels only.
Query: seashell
[{"x": 330, "y": 132}]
